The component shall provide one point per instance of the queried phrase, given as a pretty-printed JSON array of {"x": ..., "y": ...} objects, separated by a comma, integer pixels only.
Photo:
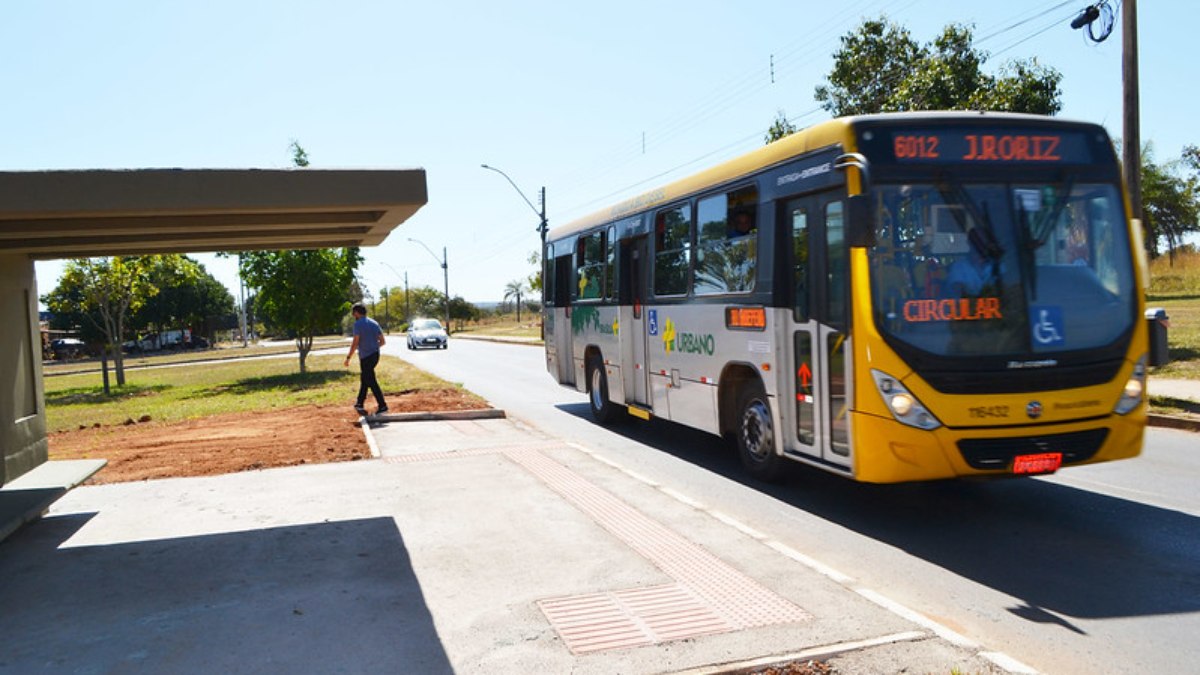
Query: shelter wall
[{"x": 23, "y": 441}]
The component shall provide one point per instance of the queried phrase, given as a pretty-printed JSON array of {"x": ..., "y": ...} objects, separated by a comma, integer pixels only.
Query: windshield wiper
[
  {"x": 1035, "y": 236},
  {"x": 953, "y": 192},
  {"x": 1040, "y": 233}
]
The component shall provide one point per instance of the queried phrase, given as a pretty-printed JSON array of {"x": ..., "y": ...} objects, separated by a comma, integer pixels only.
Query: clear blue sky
[{"x": 554, "y": 93}]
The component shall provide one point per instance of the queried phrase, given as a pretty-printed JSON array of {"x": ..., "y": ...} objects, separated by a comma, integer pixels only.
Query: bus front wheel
[
  {"x": 602, "y": 408},
  {"x": 755, "y": 436}
]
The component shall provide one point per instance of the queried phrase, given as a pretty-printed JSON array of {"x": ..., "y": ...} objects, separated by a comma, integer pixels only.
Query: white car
[{"x": 427, "y": 333}]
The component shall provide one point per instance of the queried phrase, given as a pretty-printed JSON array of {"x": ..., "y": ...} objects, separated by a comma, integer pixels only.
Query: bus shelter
[{"x": 72, "y": 214}]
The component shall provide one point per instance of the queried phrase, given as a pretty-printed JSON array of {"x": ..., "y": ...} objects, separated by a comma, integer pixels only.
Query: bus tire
[
  {"x": 755, "y": 436},
  {"x": 602, "y": 409}
]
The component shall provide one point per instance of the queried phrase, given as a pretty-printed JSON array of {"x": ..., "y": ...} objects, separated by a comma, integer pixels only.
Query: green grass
[
  {"x": 175, "y": 394},
  {"x": 1166, "y": 405},
  {"x": 1176, "y": 288},
  {"x": 530, "y": 326},
  {"x": 224, "y": 352}
]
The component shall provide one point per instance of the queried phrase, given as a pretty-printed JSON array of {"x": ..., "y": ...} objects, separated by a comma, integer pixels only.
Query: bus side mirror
[{"x": 860, "y": 228}]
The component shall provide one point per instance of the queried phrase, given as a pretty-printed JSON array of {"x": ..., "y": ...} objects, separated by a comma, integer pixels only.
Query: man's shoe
[
  {"x": 382, "y": 410},
  {"x": 360, "y": 410}
]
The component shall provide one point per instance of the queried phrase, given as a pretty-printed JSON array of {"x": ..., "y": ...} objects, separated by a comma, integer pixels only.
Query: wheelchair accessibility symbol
[{"x": 1047, "y": 325}]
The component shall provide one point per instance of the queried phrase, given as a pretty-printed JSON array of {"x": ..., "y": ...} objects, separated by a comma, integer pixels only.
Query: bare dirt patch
[{"x": 238, "y": 441}]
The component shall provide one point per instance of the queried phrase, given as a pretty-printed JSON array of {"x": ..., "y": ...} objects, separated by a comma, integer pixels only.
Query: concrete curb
[
  {"x": 485, "y": 414},
  {"x": 1173, "y": 422},
  {"x": 531, "y": 342}
]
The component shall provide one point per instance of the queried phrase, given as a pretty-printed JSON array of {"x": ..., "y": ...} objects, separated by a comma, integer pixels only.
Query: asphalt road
[{"x": 1096, "y": 569}]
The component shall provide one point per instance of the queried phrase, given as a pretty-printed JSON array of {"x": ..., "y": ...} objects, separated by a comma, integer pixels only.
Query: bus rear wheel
[
  {"x": 602, "y": 409},
  {"x": 755, "y": 436}
]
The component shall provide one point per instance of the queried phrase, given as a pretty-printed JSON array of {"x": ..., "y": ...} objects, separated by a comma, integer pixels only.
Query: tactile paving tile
[
  {"x": 631, "y": 618},
  {"x": 739, "y": 600},
  {"x": 709, "y": 596}
]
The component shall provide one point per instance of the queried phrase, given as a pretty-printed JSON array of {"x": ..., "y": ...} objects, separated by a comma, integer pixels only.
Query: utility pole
[
  {"x": 1132, "y": 143},
  {"x": 242, "y": 297},
  {"x": 407, "y": 309},
  {"x": 387, "y": 317},
  {"x": 446, "y": 281},
  {"x": 445, "y": 274}
]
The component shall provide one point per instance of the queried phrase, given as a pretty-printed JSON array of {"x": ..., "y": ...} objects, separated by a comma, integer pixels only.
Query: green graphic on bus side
[
  {"x": 585, "y": 317},
  {"x": 687, "y": 343}
]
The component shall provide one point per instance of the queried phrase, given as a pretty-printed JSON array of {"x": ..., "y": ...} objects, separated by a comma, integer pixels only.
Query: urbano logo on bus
[
  {"x": 961, "y": 309},
  {"x": 687, "y": 343}
]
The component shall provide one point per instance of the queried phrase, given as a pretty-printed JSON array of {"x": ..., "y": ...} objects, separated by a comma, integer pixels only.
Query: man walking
[{"x": 368, "y": 338}]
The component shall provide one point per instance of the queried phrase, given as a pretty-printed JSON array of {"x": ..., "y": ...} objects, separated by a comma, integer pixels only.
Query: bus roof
[{"x": 822, "y": 135}]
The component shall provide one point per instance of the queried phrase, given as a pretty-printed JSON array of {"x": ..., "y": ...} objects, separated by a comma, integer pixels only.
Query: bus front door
[
  {"x": 563, "y": 337},
  {"x": 820, "y": 364},
  {"x": 633, "y": 290}
]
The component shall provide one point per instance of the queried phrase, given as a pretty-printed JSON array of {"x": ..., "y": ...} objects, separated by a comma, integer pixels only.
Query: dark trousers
[{"x": 367, "y": 379}]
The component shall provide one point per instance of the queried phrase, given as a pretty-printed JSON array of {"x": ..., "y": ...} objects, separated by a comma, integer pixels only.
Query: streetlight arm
[
  {"x": 441, "y": 262},
  {"x": 393, "y": 269},
  {"x": 510, "y": 182}
]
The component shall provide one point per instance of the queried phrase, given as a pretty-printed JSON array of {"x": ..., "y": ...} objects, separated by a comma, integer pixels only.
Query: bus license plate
[{"x": 1047, "y": 462}]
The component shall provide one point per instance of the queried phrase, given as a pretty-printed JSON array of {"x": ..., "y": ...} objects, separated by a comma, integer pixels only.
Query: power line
[
  {"x": 1055, "y": 23},
  {"x": 1022, "y": 22}
]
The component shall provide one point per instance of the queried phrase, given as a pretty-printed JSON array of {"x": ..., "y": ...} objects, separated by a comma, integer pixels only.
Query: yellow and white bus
[{"x": 887, "y": 297}]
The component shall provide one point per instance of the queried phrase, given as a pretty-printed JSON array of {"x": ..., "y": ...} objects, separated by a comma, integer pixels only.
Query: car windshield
[
  {"x": 1015, "y": 269},
  {"x": 427, "y": 324}
]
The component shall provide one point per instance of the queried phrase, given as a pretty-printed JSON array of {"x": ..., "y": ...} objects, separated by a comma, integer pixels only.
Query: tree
[
  {"x": 188, "y": 296},
  {"x": 425, "y": 302},
  {"x": 514, "y": 290},
  {"x": 462, "y": 311},
  {"x": 105, "y": 291},
  {"x": 780, "y": 128},
  {"x": 1170, "y": 201},
  {"x": 535, "y": 279},
  {"x": 880, "y": 68},
  {"x": 302, "y": 292},
  {"x": 299, "y": 156}
]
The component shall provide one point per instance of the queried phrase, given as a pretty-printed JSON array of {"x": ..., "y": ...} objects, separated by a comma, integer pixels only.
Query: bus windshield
[{"x": 1025, "y": 270}]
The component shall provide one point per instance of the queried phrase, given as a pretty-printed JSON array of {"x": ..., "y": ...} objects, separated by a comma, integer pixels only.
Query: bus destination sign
[{"x": 990, "y": 146}]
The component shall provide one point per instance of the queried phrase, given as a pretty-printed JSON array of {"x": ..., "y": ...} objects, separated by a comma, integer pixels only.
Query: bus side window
[
  {"x": 610, "y": 264},
  {"x": 800, "y": 263},
  {"x": 589, "y": 267},
  {"x": 727, "y": 242},
  {"x": 548, "y": 297},
  {"x": 672, "y": 250},
  {"x": 836, "y": 263}
]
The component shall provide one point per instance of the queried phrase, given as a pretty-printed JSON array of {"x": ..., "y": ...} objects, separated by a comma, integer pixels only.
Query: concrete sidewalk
[
  {"x": 469, "y": 546},
  {"x": 1181, "y": 389}
]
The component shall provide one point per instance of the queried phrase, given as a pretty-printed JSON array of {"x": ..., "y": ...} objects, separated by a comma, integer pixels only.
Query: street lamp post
[
  {"x": 445, "y": 276},
  {"x": 404, "y": 278},
  {"x": 543, "y": 225}
]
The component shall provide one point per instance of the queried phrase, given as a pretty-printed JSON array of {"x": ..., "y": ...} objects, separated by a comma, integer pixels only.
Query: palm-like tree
[{"x": 515, "y": 289}]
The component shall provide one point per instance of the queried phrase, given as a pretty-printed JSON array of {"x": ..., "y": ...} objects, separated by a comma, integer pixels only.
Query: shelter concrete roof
[{"x": 72, "y": 214}]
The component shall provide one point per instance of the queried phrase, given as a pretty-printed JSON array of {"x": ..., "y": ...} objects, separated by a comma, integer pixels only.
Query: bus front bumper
[{"x": 890, "y": 452}]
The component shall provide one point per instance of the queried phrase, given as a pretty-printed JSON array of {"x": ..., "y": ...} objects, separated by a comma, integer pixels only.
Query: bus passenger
[
  {"x": 743, "y": 224},
  {"x": 969, "y": 274}
]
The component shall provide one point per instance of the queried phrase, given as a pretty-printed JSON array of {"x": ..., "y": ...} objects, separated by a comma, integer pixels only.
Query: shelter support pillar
[{"x": 23, "y": 443}]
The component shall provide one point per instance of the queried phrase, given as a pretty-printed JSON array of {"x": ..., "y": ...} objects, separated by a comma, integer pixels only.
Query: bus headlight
[
  {"x": 1135, "y": 389},
  {"x": 904, "y": 406}
]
